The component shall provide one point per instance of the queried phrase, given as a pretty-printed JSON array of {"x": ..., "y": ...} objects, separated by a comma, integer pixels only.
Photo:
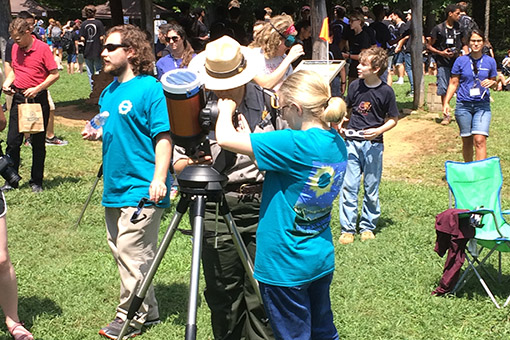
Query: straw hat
[{"x": 225, "y": 64}]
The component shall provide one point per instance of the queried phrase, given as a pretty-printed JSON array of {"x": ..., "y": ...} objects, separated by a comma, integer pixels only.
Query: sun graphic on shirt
[{"x": 322, "y": 181}]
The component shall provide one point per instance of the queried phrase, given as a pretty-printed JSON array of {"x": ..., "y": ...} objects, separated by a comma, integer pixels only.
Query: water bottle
[{"x": 98, "y": 121}]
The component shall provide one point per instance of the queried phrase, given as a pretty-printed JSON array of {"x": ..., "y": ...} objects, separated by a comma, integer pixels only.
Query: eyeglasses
[
  {"x": 174, "y": 38},
  {"x": 113, "y": 47}
]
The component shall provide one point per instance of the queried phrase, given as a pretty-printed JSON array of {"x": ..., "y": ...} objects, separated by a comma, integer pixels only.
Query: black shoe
[
  {"x": 6, "y": 187},
  {"x": 36, "y": 188}
]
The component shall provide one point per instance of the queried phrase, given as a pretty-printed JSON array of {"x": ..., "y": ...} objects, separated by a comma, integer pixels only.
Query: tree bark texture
[
  {"x": 117, "y": 13},
  {"x": 417, "y": 52},
  {"x": 5, "y": 20},
  {"x": 318, "y": 13}
]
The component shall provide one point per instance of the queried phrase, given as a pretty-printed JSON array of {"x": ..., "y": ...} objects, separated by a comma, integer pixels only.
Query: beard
[{"x": 116, "y": 70}]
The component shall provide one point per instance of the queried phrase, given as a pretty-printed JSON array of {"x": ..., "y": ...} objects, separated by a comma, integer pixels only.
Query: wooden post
[
  {"x": 5, "y": 20},
  {"x": 417, "y": 52},
  {"x": 117, "y": 13},
  {"x": 318, "y": 13},
  {"x": 146, "y": 12}
]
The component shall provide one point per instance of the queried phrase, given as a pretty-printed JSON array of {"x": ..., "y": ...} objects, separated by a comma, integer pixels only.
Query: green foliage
[{"x": 68, "y": 282}]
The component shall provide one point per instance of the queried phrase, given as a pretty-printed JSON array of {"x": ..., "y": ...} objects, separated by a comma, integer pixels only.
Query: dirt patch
[
  {"x": 415, "y": 137},
  {"x": 74, "y": 115}
]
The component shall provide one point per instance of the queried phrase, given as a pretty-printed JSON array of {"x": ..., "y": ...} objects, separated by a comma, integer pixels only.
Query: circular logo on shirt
[{"x": 125, "y": 106}]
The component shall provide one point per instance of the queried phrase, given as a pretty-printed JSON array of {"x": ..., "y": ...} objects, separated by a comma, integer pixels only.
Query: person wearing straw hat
[{"x": 227, "y": 69}]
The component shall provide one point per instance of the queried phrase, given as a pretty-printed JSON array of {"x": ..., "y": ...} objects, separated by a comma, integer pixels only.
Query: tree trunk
[
  {"x": 318, "y": 13},
  {"x": 117, "y": 13},
  {"x": 147, "y": 20},
  {"x": 417, "y": 52},
  {"x": 5, "y": 20},
  {"x": 487, "y": 17}
]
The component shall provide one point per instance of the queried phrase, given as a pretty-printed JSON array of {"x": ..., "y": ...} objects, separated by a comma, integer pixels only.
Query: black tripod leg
[
  {"x": 198, "y": 213},
  {"x": 135, "y": 304},
  {"x": 98, "y": 177},
  {"x": 240, "y": 246}
]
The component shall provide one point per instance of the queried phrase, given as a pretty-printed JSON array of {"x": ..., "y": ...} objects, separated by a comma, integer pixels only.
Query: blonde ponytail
[
  {"x": 313, "y": 94},
  {"x": 335, "y": 111}
]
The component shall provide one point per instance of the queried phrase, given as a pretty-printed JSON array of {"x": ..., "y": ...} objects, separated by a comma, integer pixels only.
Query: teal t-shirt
[
  {"x": 138, "y": 113},
  {"x": 304, "y": 174}
]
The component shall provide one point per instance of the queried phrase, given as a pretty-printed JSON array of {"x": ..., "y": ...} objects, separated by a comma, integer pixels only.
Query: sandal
[{"x": 19, "y": 332}]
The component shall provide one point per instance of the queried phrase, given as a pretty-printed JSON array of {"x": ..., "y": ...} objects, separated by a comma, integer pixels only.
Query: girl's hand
[{"x": 226, "y": 106}]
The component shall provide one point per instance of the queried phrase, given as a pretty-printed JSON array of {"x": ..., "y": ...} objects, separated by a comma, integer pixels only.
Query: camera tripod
[{"x": 198, "y": 184}]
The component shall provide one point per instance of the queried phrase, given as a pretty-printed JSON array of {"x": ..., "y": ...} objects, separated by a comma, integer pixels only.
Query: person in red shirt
[{"x": 34, "y": 70}]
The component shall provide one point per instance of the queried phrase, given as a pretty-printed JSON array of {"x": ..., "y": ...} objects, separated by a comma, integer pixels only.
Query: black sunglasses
[
  {"x": 113, "y": 47},
  {"x": 174, "y": 38}
]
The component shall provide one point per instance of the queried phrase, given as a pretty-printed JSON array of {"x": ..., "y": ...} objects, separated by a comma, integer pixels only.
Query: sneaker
[
  {"x": 346, "y": 238},
  {"x": 367, "y": 235},
  {"x": 28, "y": 141},
  {"x": 36, "y": 188},
  {"x": 56, "y": 141},
  {"x": 400, "y": 81},
  {"x": 113, "y": 329},
  {"x": 410, "y": 94},
  {"x": 150, "y": 323},
  {"x": 174, "y": 192},
  {"x": 446, "y": 120}
]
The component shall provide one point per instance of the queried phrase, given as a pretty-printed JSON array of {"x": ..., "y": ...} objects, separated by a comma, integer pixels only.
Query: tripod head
[{"x": 202, "y": 179}]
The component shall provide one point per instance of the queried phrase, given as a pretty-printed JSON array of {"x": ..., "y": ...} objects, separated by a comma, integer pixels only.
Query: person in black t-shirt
[
  {"x": 382, "y": 33},
  {"x": 372, "y": 110},
  {"x": 446, "y": 45},
  {"x": 358, "y": 41},
  {"x": 92, "y": 33}
]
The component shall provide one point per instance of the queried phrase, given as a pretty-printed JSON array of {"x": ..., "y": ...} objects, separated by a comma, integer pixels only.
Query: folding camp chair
[{"x": 476, "y": 186}]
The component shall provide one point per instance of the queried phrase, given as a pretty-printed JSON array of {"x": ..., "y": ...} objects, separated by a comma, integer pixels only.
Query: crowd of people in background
[{"x": 376, "y": 45}]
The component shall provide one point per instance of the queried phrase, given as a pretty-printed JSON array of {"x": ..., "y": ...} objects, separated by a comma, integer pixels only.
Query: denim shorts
[
  {"x": 398, "y": 58},
  {"x": 443, "y": 79},
  {"x": 71, "y": 58},
  {"x": 473, "y": 118}
]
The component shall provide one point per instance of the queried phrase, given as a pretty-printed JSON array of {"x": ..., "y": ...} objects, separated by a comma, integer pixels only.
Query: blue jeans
[
  {"x": 473, "y": 118},
  {"x": 93, "y": 67},
  {"x": 302, "y": 312},
  {"x": 364, "y": 157},
  {"x": 409, "y": 68}
]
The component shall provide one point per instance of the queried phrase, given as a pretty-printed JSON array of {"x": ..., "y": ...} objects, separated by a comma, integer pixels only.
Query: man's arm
[
  {"x": 50, "y": 79},
  {"x": 158, "y": 189}
]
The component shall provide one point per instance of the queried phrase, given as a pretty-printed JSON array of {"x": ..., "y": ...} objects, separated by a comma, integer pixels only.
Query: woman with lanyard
[
  {"x": 472, "y": 75},
  {"x": 180, "y": 50}
]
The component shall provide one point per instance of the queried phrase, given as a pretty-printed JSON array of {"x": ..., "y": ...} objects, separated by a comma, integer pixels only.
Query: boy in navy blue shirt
[{"x": 372, "y": 111}]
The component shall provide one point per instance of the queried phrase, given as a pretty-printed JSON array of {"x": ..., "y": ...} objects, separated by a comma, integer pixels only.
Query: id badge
[
  {"x": 449, "y": 41},
  {"x": 475, "y": 91}
]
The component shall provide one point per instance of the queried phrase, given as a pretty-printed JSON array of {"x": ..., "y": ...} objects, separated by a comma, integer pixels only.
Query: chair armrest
[{"x": 481, "y": 211}]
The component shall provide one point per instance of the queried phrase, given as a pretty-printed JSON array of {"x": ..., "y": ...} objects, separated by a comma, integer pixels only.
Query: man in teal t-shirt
[{"x": 136, "y": 157}]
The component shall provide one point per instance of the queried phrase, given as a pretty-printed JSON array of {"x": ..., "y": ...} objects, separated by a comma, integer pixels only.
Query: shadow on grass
[
  {"x": 31, "y": 307},
  {"x": 173, "y": 300},
  {"x": 384, "y": 222},
  {"x": 473, "y": 289},
  {"x": 54, "y": 182}
]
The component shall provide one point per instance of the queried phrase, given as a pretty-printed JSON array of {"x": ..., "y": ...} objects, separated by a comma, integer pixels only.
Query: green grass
[{"x": 68, "y": 282}]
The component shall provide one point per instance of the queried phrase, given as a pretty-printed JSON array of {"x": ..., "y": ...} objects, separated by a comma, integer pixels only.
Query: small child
[
  {"x": 304, "y": 166},
  {"x": 372, "y": 111}
]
